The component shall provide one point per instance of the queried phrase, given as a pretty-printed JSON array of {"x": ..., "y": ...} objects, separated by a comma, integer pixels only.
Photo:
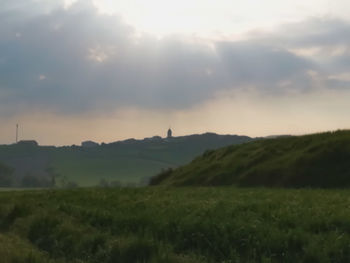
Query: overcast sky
[{"x": 110, "y": 70}]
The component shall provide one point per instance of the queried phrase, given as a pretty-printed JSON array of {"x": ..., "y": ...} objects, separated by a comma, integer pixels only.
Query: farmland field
[{"x": 159, "y": 224}]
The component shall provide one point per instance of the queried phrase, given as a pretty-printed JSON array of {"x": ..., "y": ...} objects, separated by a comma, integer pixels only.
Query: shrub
[
  {"x": 6, "y": 179},
  {"x": 132, "y": 250},
  {"x": 36, "y": 181},
  {"x": 165, "y": 173}
]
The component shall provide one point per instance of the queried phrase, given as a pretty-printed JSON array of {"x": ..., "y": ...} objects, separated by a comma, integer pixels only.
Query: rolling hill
[
  {"x": 318, "y": 160},
  {"x": 122, "y": 162}
]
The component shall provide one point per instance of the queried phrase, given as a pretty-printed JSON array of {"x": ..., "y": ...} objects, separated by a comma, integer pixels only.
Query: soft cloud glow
[
  {"x": 216, "y": 18},
  {"x": 342, "y": 77},
  {"x": 42, "y": 77}
]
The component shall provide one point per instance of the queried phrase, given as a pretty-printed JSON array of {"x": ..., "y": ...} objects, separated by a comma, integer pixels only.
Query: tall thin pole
[{"x": 16, "y": 133}]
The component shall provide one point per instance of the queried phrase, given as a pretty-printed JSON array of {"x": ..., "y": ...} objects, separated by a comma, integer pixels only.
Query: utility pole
[{"x": 16, "y": 133}]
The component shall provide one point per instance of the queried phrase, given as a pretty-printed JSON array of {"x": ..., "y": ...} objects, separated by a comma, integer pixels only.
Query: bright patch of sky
[{"x": 213, "y": 18}]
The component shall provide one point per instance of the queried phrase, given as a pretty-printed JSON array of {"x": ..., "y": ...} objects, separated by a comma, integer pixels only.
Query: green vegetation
[
  {"x": 318, "y": 160},
  {"x": 6, "y": 179},
  {"x": 87, "y": 167},
  {"x": 121, "y": 163},
  {"x": 175, "y": 225},
  {"x": 183, "y": 224}
]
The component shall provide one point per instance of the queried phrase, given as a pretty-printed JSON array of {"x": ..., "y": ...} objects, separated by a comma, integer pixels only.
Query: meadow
[{"x": 161, "y": 224}]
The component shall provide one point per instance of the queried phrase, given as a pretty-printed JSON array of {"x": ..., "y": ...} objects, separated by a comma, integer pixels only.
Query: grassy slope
[
  {"x": 175, "y": 225},
  {"x": 319, "y": 160}
]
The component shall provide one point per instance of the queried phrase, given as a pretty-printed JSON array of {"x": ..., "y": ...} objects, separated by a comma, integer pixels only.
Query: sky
[{"x": 108, "y": 70}]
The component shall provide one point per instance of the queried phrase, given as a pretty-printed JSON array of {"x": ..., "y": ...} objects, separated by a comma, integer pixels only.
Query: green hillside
[
  {"x": 318, "y": 160},
  {"x": 124, "y": 162},
  {"x": 174, "y": 225}
]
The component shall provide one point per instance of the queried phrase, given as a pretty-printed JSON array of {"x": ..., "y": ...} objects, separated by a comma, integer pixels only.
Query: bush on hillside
[
  {"x": 6, "y": 178},
  {"x": 103, "y": 183},
  {"x": 165, "y": 173},
  {"x": 34, "y": 181},
  {"x": 115, "y": 183},
  {"x": 71, "y": 184}
]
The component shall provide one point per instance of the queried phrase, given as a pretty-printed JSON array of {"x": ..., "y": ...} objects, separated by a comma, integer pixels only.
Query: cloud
[{"x": 74, "y": 59}]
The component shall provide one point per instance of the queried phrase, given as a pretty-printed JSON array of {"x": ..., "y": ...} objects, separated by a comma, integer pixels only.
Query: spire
[
  {"x": 170, "y": 133},
  {"x": 16, "y": 133}
]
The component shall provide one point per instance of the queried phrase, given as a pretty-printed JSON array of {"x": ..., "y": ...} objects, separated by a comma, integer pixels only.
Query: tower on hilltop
[{"x": 170, "y": 134}]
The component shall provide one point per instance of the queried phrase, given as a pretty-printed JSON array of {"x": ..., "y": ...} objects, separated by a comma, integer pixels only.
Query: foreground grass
[{"x": 175, "y": 225}]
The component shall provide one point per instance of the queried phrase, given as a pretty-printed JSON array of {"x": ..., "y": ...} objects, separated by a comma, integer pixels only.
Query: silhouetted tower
[
  {"x": 170, "y": 133},
  {"x": 16, "y": 133}
]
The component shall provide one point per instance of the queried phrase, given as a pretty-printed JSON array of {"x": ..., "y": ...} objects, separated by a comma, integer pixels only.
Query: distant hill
[
  {"x": 122, "y": 162},
  {"x": 318, "y": 160}
]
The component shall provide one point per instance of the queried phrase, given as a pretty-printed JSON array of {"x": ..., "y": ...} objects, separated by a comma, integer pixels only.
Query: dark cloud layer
[{"x": 73, "y": 60}]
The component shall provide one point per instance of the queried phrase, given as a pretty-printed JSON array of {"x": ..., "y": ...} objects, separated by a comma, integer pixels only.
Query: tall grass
[{"x": 175, "y": 225}]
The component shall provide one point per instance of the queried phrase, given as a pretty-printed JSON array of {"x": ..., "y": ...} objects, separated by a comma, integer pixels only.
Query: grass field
[{"x": 156, "y": 224}]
